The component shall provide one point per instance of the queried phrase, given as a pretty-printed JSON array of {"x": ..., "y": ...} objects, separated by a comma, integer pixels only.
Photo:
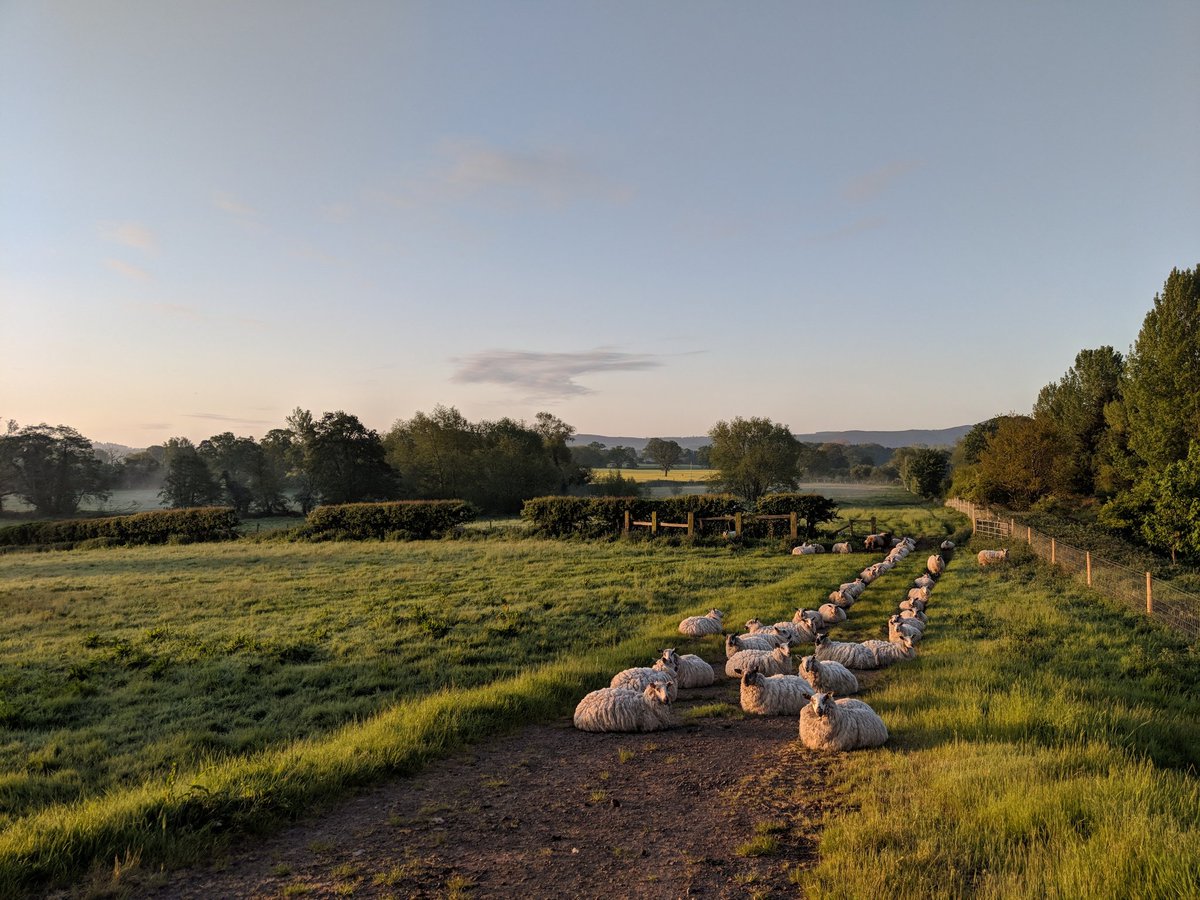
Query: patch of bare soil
[{"x": 719, "y": 807}]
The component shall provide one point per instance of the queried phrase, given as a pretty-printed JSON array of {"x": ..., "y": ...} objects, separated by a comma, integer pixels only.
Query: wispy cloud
[
  {"x": 127, "y": 269},
  {"x": 182, "y": 311},
  {"x": 232, "y": 204},
  {"x": 233, "y": 420},
  {"x": 465, "y": 169},
  {"x": 872, "y": 184},
  {"x": 854, "y": 229},
  {"x": 546, "y": 375},
  {"x": 130, "y": 234}
]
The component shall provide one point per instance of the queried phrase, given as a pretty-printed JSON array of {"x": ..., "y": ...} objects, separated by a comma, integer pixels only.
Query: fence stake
[
  {"x": 691, "y": 524},
  {"x": 1029, "y": 535},
  {"x": 737, "y": 523},
  {"x": 1052, "y": 560},
  {"x": 654, "y": 521},
  {"x": 1088, "y": 555},
  {"x": 627, "y": 521},
  {"x": 874, "y": 529},
  {"x": 1149, "y": 597},
  {"x": 1012, "y": 526},
  {"x": 792, "y": 520}
]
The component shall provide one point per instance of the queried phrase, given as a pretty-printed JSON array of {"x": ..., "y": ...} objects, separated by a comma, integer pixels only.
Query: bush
[
  {"x": 811, "y": 509},
  {"x": 208, "y": 523},
  {"x": 600, "y": 516},
  {"x": 397, "y": 520}
]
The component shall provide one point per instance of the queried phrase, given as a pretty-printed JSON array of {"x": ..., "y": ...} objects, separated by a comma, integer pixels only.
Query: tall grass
[{"x": 1044, "y": 744}]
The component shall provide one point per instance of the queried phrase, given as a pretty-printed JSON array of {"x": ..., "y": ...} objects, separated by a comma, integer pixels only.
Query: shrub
[
  {"x": 402, "y": 519},
  {"x": 599, "y": 516},
  {"x": 811, "y": 509},
  {"x": 208, "y": 523}
]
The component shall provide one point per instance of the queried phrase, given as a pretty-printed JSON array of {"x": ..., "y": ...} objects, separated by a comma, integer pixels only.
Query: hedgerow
[
  {"x": 403, "y": 519},
  {"x": 207, "y": 523},
  {"x": 599, "y": 516}
]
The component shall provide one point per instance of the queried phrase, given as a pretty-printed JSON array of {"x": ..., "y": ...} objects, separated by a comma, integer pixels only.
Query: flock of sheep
[{"x": 639, "y": 699}]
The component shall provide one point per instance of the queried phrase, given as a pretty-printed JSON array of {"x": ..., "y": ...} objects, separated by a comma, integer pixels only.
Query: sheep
[
  {"x": 876, "y": 541},
  {"x": 694, "y": 672},
  {"x": 847, "y": 724},
  {"x": 735, "y": 643},
  {"x": 774, "y": 695},
  {"x": 841, "y": 547},
  {"x": 803, "y": 631},
  {"x": 635, "y": 679},
  {"x": 699, "y": 626},
  {"x": 832, "y": 614},
  {"x": 837, "y": 598},
  {"x": 917, "y": 614},
  {"x": 622, "y": 709},
  {"x": 947, "y": 545},
  {"x": 921, "y": 593},
  {"x": 988, "y": 557},
  {"x": 755, "y": 625},
  {"x": 914, "y": 605},
  {"x": 936, "y": 565},
  {"x": 924, "y": 581},
  {"x": 888, "y": 652},
  {"x": 806, "y": 550},
  {"x": 849, "y": 654},
  {"x": 769, "y": 662},
  {"x": 828, "y": 675},
  {"x": 911, "y": 628},
  {"x": 853, "y": 588}
]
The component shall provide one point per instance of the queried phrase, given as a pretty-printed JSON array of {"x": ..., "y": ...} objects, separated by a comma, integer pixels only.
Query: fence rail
[{"x": 1138, "y": 590}]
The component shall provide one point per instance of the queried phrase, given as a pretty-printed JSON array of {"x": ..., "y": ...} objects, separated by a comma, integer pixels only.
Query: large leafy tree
[
  {"x": 434, "y": 453},
  {"x": 1173, "y": 520},
  {"x": 1075, "y": 406},
  {"x": 348, "y": 461},
  {"x": 1162, "y": 375},
  {"x": 923, "y": 471},
  {"x": 753, "y": 456},
  {"x": 663, "y": 453},
  {"x": 51, "y": 467},
  {"x": 1018, "y": 465},
  {"x": 188, "y": 481}
]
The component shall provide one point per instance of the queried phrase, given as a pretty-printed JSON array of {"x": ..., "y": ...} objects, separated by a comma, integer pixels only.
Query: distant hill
[{"x": 913, "y": 437}]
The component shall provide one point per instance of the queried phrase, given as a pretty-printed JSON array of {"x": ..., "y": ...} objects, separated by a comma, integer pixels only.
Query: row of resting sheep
[
  {"x": 639, "y": 699},
  {"x": 871, "y": 542}
]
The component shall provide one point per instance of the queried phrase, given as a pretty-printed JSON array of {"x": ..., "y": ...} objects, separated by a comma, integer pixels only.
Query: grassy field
[
  {"x": 158, "y": 702},
  {"x": 681, "y": 475}
]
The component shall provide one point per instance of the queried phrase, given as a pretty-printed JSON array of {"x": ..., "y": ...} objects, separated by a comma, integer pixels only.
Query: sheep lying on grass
[
  {"x": 699, "y": 626},
  {"x": 989, "y": 557},
  {"x": 807, "y": 549},
  {"x": 900, "y": 627},
  {"x": 847, "y": 724},
  {"x": 889, "y": 653},
  {"x": 841, "y": 547},
  {"x": 769, "y": 662},
  {"x": 664, "y": 671},
  {"x": 924, "y": 581},
  {"x": 915, "y": 614},
  {"x": 691, "y": 671},
  {"x": 919, "y": 593},
  {"x": 947, "y": 545},
  {"x": 913, "y": 605},
  {"x": 832, "y": 614},
  {"x": 828, "y": 676},
  {"x": 852, "y": 589},
  {"x": 622, "y": 709},
  {"x": 774, "y": 695},
  {"x": 936, "y": 565},
  {"x": 850, "y": 654},
  {"x": 762, "y": 640}
]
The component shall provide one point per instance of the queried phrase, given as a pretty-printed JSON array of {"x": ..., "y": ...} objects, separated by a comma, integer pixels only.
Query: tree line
[{"x": 1116, "y": 438}]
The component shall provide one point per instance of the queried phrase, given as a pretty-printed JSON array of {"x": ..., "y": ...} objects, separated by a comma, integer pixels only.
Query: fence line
[{"x": 1138, "y": 590}]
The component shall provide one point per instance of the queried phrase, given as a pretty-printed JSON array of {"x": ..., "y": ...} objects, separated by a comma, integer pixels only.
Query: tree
[
  {"x": 301, "y": 466},
  {"x": 188, "y": 482},
  {"x": 1162, "y": 374},
  {"x": 1018, "y": 465},
  {"x": 434, "y": 453},
  {"x": 348, "y": 461},
  {"x": 923, "y": 471},
  {"x": 1173, "y": 519},
  {"x": 753, "y": 456},
  {"x": 1075, "y": 405},
  {"x": 663, "y": 453},
  {"x": 555, "y": 433},
  {"x": 52, "y": 468}
]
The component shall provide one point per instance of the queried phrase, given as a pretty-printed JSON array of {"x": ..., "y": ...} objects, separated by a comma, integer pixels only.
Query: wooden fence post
[
  {"x": 691, "y": 524},
  {"x": 873, "y": 527},
  {"x": 654, "y": 521},
  {"x": 1028, "y": 535},
  {"x": 1052, "y": 560},
  {"x": 627, "y": 521},
  {"x": 737, "y": 524},
  {"x": 1012, "y": 526},
  {"x": 1088, "y": 556},
  {"x": 792, "y": 520},
  {"x": 1149, "y": 597}
]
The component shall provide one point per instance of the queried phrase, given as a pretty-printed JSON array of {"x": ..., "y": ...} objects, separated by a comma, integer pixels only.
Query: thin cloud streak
[
  {"x": 224, "y": 200},
  {"x": 128, "y": 269},
  {"x": 872, "y": 184},
  {"x": 546, "y": 375},
  {"x": 130, "y": 234},
  {"x": 217, "y": 417}
]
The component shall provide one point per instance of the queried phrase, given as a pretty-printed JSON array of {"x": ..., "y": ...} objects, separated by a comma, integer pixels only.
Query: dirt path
[{"x": 554, "y": 812}]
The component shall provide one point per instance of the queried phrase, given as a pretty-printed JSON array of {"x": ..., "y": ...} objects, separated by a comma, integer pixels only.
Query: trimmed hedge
[
  {"x": 207, "y": 523},
  {"x": 600, "y": 516},
  {"x": 406, "y": 519},
  {"x": 812, "y": 509}
]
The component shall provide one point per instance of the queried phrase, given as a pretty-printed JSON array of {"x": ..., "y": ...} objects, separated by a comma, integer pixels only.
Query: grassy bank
[{"x": 1044, "y": 744}]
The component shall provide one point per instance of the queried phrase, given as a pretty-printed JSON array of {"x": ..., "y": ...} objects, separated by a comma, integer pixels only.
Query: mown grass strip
[{"x": 1044, "y": 744}]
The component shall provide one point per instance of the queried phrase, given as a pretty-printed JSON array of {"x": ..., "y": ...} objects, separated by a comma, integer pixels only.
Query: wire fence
[{"x": 1137, "y": 590}]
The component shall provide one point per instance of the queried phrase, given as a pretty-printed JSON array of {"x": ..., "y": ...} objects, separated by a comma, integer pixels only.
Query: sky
[{"x": 643, "y": 218}]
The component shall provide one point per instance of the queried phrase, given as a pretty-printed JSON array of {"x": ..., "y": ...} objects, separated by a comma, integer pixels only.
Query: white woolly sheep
[
  {"x": 846, "y": 724},
  {"x": 853, "y": 588},
  {"x": 837, "y": 598},
  {"x": 914, "y": 605},
  {"x": 921, "y": 593},
  {"x": 773, "y": 662},
  {"x": 832, "y": 613},
  {"x": 988, "y": 557},
  {"x": 828, "y": 676},
  {"x": 699, "y": 626},
  {"x": 889, "y": 652},
  {"x": 753, "y": 626},
  {"x": 807, "y": 549},
  {"x": 638, "y": 677},
  {"x": 735, "y": 643},
  {"x": 947, "y": 545},
  {"x": 913, "y": 614},
  {"x": 841, "y": 547},
  {"x": 850, "y": 654},
  {"x": 924, "y": 581},
  {"x": 774, "y": 695},
  {"x": 694, "y": 672},
  {"x": 936, "y": 565},
  {"x": 622, "y": 709},
  {"x": 876, "y": 541},
  {"x": 804, "y": 627},
  {"x": 901, "y": 627}
]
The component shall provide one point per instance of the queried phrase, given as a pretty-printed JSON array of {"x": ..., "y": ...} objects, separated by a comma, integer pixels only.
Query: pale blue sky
[{"x": 642, "y": 217}]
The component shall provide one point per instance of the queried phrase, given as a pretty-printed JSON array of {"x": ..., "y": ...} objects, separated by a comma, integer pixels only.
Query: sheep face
[
  {"x": 753, "y": 678},
  {"x": 821, "y": 704},
  {"x": 658, "y": 692}
]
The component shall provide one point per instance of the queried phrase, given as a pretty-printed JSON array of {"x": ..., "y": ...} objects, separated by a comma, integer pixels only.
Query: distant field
[
  {"x": 120, "y": 502},
  {"x": 640, "y": 475}
]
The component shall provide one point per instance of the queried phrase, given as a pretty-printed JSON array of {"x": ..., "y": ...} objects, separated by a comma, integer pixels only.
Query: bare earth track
[{"x": 555, "y": 812}]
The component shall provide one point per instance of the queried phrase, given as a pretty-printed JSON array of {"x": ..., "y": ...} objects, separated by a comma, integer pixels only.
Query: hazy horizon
[{"x": 641, "y": 218}]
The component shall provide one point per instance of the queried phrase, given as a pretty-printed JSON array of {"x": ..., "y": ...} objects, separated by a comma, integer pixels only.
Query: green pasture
[{"x": 642, "y": 474}]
